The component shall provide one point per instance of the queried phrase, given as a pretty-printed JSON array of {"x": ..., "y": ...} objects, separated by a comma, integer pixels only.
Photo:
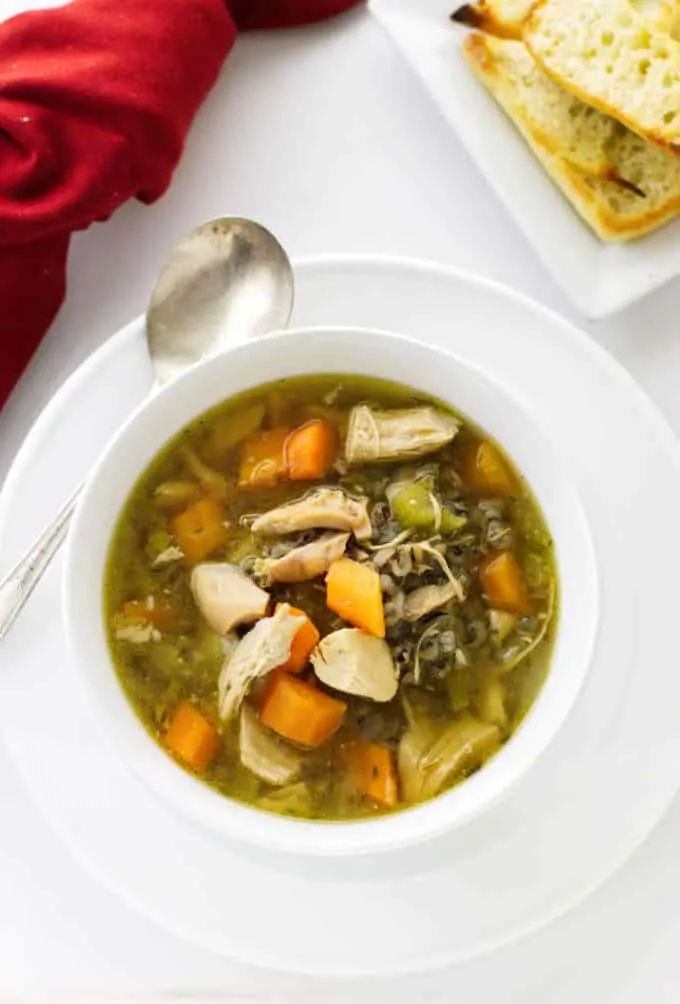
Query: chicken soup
[{"x": 331, "y": 597}]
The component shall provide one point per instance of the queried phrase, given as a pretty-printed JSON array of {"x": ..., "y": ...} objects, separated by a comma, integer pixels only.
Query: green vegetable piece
[
  {"x": 412, "y": 506},
  {"x": 459, "y": 685},
  {"x": 502, "y": 624},
  {"x": 234, "y": 428},
  {"x": 490, "y": 703},
  {"x": 450, "y": 522},
  {"x": 416, "y": 507},
  {"x": 157, "y": 542}
]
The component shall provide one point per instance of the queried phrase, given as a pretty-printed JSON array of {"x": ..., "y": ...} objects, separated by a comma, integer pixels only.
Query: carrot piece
[
  {"x": 310, "y": 450},
  {"x": 503, "y": 585},
  {"x": 374, "y": 772},
  {"x": 200, "y": 529},
  {"x": 485, "y": 470},
  {"x": 304, "y": 642},
  {"x": 353, "y": 592},
  {"x": 263, "y": 460},
  {"x": 298, "y": 711},
  {"x": 191, "y": 737},
  {"x": 160, "y": 614}
]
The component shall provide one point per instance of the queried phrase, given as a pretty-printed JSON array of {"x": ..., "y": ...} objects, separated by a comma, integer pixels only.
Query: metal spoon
[{"x": 229, "y": 280}]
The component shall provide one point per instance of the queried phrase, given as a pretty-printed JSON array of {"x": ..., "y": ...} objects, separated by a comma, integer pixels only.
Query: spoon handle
[{"x": 16, "y": 588}]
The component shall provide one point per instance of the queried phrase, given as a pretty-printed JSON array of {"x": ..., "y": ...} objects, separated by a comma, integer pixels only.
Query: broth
[{"x": 416, "y": 639}]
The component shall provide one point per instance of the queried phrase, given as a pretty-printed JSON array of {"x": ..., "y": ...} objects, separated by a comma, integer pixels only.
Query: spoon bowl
[{"x": 229, "y": 280}]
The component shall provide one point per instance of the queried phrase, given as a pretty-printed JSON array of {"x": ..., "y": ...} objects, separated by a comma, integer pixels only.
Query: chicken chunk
[
  {"x": 357, "y": 663},
  {"x": 264, "y": 754},
  {"x": 264, "y": 648},
  {"x": 424, "y": 600},
  {"x": 324, "y": 508},
  {"x": 400, "y": 434},
  {"x": 306, "y": 562},
  {"x": 226, "y": 597}
]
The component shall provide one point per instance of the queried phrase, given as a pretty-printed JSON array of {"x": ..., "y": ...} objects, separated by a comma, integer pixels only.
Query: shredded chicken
[
  {"x": 264, "y": 754},
  {"x": 226, "y": 597},
  {"x": 324, "y": 508},
  {"x": 303, "y": 563},
  {"x": 424, "y": 600},
  {"x": 265, "y": 647},
  {"x": 168, "y": 556},
  {"x": 401, "y": 434}
]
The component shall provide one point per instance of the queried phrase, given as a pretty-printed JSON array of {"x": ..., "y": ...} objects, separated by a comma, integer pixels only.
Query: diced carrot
[
  {"x": 304, "y": 642},
  {"x": 191, "y": 737},
  {"x": 299, "y": 712},
  {"x": 200, "y": 529},
  {"x": 485, "y": 470},
  {"x": 263, "y": 460},
  {"x": 353, "y": 592},
  {"x": 161, "y": 614},
  {"x": 310, "y": 450},
  {"x": 503, "y": 585},
  {"x": 374, "y": 772}
]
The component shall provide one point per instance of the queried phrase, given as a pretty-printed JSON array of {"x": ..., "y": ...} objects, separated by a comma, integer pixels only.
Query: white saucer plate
[
  {"x": 573, "y": 820},
  {"x": 599, "y": 278}
]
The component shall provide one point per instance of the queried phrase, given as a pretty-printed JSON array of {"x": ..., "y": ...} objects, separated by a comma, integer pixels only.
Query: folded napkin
[{"x": 95, "y": 102}]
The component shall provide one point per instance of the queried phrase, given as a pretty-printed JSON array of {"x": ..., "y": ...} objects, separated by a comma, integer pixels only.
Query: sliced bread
[
  {"x": 613, "y": 212},
  {"x": 606, "y": 53},
  {"x": 505, "y": 18},
  {"x": 559, "y": 121},
  {"x": 621, "y": 213},
  {"x": 498, "y": 17},
  {"x": 664, "y": 15}
]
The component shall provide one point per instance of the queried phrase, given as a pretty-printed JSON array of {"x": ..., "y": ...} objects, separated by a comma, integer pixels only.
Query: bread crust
[{"x": 614, "y": 213}]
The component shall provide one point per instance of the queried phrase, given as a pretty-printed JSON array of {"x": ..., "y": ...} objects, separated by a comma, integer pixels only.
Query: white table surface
[{"x": 326, "y": 137}]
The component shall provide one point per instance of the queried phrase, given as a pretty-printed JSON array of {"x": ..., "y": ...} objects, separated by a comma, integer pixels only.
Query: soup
[{"x": 331, "y": 597}]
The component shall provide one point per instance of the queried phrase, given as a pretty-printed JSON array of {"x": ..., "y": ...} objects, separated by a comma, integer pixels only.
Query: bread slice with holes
[
  {"x": 663, "y": 15},
  {"x": 557, "y": 120},
  {"x": 505, "y": 18},
  {"x": 613, "y": 212},
  {"x": 605, "y": 53}
]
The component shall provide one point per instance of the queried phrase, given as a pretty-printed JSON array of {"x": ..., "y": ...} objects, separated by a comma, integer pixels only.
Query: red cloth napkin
[{"x": 95, "y": 102}]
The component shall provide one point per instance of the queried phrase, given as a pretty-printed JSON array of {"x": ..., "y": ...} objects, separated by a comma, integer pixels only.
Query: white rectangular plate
[{"x": 599, "y": 278}]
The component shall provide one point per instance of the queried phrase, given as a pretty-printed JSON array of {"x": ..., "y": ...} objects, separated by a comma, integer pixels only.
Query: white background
[{"x": 326, "y": 137}]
